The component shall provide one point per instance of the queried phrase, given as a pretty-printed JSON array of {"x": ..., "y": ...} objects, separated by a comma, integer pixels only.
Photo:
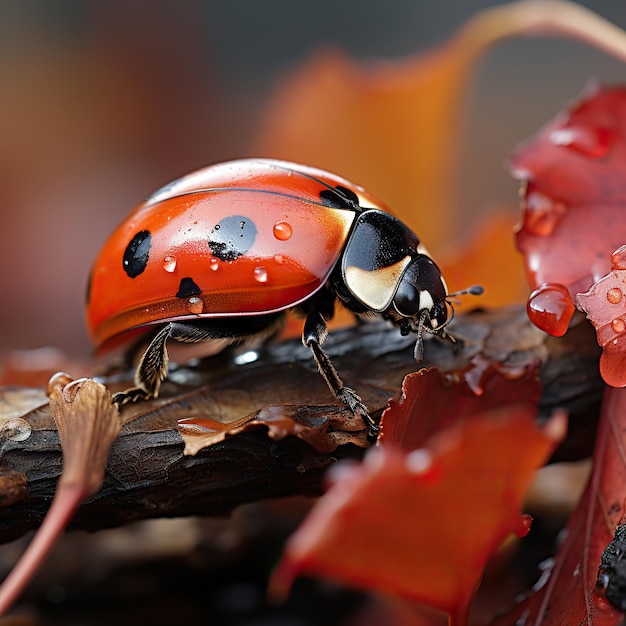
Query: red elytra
[{"x": 276, "y": 253}]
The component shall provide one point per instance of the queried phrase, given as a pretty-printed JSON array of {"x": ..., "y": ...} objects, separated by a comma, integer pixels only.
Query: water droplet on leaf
[
  {"x": 541, "y": 213},
  {"x": 550, "y": 308},
  {"x": 614, "y": 295}
]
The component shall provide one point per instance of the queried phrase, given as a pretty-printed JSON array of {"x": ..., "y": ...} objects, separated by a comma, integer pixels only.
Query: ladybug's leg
[
  {"x": 151, "y": 371},
  {"x": 313, "y": 336}
]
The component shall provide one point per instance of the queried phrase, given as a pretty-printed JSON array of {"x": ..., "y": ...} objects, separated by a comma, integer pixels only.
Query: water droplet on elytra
[
  {"x": 169, "y": 263},
  {"x": 279, "y": 258},
  {"x": 591, "y": 141},
  {"x": 214, "y": 264},
  {"x": 260, "y": 274},
  {"x": 16, "y": 429},
  {"x": 195, "y": 305},
  {"x": 618, "y": 325},
  {"x": 282, "y": 231},
  {"x": 614, "y": 295},
  {"x": 550, "y": 308}
]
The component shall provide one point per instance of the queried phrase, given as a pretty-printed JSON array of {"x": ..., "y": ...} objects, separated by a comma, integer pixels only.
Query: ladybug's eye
[{"x": 407, "y": 299}]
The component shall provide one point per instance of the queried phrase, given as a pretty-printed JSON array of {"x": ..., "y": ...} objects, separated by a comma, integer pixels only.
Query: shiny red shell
[{"x": 162, "y": 263}]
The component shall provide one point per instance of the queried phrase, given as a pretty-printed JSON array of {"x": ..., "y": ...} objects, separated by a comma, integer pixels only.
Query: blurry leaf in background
[{"x": 395, "y": 127}]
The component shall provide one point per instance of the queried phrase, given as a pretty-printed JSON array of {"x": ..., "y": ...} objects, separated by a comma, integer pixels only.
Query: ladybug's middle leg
[{"x": 314, "y": 334}]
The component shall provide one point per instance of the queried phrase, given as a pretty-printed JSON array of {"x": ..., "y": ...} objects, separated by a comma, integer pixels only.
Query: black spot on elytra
[
  {"x": 339, "y": 198},
  {"x": 232, "y": 237},
  {"x": 187, "y": 288},
  {"x": 137, "y": 253}
]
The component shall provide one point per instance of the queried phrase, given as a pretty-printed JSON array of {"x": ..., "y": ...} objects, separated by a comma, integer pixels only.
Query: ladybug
[{"x": 220, "y": 255}]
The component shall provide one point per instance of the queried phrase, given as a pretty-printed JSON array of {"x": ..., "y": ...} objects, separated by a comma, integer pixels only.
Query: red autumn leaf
[
  {"x": 573, "y": 201},
  {"x": 432, "y": 402},
  {"x": 421, "y": 525},
  {"x": 604, "y": 305},
  {"x": 570, "y": 594}
]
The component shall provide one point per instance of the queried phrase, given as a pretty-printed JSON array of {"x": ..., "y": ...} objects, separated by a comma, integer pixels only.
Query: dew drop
[
  {"x": 550, "y": 308},
  {"x": 195, "y": 305},
  {"x": 279, "y": 258},
  {"x": 16, "y": 429},
  {"x": 618, "y": 325},
  {"x": 214, "y": 264},
  {"x": 260, "y": 274},
  {"x": 590, "y": 141},
  {"x": 542, "y": 213},
  {"x": 614, "y": 295},
  {"x": 618, "y": 258},
  {"x": 282, "y": 231},
  {"x": 169, "y": 263}
]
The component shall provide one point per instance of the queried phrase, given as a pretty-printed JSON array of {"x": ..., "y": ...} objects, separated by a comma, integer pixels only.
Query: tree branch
[{"x": 149, "y": 476}]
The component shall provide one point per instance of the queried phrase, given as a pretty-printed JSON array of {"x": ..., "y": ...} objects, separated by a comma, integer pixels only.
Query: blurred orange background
[{"x": 102, "y": 102}]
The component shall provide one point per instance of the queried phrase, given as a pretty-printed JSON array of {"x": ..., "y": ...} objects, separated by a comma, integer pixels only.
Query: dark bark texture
[{"x": 149, "y": 476}]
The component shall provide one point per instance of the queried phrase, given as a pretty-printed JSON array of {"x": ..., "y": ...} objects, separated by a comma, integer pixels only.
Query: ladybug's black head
[
  {"x": 386, "y": 270},
  {"x": 421, "y": 295}
]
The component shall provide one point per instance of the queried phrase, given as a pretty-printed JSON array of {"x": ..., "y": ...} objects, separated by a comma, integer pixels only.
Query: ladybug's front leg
[
  {"x": 151, "y": 371},
  {"x": 313, "y": 336}
]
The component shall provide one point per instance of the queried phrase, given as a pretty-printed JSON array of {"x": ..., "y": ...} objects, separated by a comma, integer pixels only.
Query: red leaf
[
  {"x": 604, "y": 305},
  {"x": 421, "y": 525},
  {"x": 432, "y": 402},
  {"x": 570, "y": 596},
  {"x": 574, "y": 194}
]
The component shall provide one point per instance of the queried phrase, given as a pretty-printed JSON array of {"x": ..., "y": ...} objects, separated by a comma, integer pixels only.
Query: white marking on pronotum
[{"x": 375, "y": 289}]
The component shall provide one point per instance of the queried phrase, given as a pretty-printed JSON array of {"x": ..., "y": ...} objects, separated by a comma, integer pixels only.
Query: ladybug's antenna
[{"x": 472, "y": 290}]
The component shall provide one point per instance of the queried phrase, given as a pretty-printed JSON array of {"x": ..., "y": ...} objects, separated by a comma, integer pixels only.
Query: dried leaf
[
  {"x": 572, "y": 174},
  {"x": 88, "y": 423},
  {"x": 421, "y": 525},
  {"x": 267, "y": 399},
  {"x": 569, "y": 594},
  {"x": 322, "y": 427}
]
